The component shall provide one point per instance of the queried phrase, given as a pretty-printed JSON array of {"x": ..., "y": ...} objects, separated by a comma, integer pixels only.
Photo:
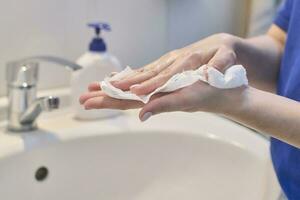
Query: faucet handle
[{"x": 22, "y": 74}]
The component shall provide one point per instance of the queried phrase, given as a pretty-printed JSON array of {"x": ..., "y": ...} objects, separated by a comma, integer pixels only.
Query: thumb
[
  {"x": 167, "y": 103},
  {"x": 223, "y": 59}
]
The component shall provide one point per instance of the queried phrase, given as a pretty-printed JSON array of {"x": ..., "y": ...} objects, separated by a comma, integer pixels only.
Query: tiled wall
[{"x": 57, "y": 27}]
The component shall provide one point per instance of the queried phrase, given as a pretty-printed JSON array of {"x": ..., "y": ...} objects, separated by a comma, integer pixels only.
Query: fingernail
[
  {"x": 114, "y": 82},
  {"x": 134, "y": 86},
  {"x": 87, "y": 107},
  {"x": 81, "y": 100},
  {"x": 112, "y": 74},
  {"x": 146, "y": 116}
]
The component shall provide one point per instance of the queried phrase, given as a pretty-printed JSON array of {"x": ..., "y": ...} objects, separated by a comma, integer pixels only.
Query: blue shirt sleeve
[{"x": 282, "y": 18}]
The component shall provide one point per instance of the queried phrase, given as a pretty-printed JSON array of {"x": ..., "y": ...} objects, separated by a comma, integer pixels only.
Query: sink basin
[{"x": 172, "y": 156}]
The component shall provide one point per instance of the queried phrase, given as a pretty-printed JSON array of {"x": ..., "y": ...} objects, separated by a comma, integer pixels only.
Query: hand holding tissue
[{"x": 234, "y": 77}]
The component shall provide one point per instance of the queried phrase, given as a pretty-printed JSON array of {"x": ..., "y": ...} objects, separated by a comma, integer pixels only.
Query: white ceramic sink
[{"x": 171, "y": 157}]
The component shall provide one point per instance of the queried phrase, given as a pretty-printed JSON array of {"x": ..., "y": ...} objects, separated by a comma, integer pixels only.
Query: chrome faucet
[{"x": 24, "y": 106}]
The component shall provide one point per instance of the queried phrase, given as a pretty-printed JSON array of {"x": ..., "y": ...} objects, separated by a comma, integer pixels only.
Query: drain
[{"x": 41, "y": 173}]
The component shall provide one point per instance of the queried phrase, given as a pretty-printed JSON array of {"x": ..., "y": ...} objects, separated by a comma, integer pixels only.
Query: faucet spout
[
  {"x": 51, "y": 59},
  {"x": 34, "y": 110}
]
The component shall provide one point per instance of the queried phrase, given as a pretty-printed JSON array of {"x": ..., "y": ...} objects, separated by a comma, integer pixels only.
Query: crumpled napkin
[{"x": 234, "y": 76}]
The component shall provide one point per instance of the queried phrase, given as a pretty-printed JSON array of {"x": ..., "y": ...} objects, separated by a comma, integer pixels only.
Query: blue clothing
[{"x": 286, "y": 158}]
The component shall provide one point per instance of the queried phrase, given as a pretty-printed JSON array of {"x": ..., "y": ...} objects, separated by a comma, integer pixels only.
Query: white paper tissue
[{"x": 234, "y": 77}]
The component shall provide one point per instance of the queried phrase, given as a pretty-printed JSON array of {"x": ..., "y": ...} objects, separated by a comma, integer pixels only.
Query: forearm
[
  {"x": 261, "y": 56},
  {"x": 266, "y": 112}
]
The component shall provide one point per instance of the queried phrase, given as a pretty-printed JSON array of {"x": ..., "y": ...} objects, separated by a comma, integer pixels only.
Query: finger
[
  {"x": 113, "y": 73},
  {"x": 84, "y": 97},
  {"x": 94, "y": 87},
  {"x": 147, "y": 72},
  {"x": 223, "y": 59},
  {"x": 103, "y": 102},
  {"x": 130, "y": 74},
  {"x": 186, "y": 62},
  {"x": 133, "y": 80},
  {"x": 143, "y": 75},
  {"x": 167, "y": 103}
]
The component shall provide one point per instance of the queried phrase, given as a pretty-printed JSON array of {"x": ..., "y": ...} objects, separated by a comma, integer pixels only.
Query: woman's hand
[
  {"x": 198, "y": 97},
  {"x": 217, "y": 51}
]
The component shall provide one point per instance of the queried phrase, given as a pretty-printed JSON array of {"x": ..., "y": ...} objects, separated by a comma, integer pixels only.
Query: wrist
[{"x": 236, "y": 100}]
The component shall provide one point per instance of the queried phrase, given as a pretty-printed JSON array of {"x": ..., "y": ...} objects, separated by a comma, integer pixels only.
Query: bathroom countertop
[{"x": 59, "y": 126}]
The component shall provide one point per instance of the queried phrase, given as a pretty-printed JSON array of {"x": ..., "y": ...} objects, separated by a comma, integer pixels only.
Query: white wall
[
  {"x": 142, "y": 29},
  {"x": 58, "y": 27},
  {"x": 192, "y": 20},
  {"x": 261, "y": 16}
]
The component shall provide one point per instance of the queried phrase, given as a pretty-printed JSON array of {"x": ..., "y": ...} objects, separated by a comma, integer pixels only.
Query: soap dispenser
[{"x": 96, "y": 64}]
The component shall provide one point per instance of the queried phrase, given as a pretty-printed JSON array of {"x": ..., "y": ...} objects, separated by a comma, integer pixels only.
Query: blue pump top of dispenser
[{"x": 98, "y": 44}]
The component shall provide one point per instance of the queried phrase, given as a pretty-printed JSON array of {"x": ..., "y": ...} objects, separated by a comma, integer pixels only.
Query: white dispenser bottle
[{"x": 97, "y": 63}]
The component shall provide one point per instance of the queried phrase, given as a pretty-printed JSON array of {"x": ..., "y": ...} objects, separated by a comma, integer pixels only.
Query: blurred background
[{"x": 142, "y": 29}]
